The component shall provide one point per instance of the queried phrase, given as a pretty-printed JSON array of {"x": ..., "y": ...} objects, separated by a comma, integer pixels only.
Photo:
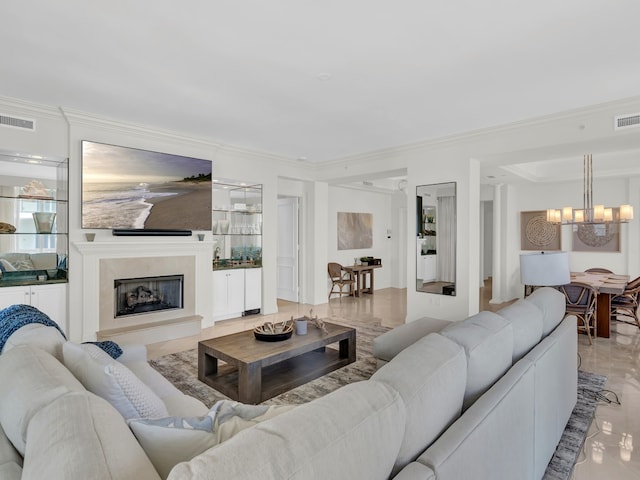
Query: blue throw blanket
[
  {"x": 110, "y": 347},
  {"x": 16, "y": 316}
]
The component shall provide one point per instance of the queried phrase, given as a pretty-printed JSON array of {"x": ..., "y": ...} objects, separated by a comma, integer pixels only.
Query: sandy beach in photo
[{"x": 190, "y": 210}]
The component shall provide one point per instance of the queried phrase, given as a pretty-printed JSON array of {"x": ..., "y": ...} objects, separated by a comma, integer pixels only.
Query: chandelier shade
[{"x": 590, "y": 213}]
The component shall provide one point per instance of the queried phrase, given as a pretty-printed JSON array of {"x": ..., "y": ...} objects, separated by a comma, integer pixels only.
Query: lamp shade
[{"x": 545, "y": 269}]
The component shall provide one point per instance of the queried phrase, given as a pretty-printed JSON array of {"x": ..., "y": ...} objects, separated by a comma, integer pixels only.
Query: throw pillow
[
  {"x": 6, "y": 266},
  {"x": 111, "y": 380},
  {"x": 171, "y": 440}
]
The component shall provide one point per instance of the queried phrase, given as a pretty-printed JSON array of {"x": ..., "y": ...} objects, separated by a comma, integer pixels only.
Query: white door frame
[{"x": 288, "y": 249}]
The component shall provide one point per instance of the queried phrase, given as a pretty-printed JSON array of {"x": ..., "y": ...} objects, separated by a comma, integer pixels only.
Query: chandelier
[{"x": 590, "y": 214}]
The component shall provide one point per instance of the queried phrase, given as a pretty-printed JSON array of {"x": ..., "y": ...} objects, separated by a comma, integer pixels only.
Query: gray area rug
[
  {"x": 182, "y": 370},
  {"x": 561, "y": 465}
]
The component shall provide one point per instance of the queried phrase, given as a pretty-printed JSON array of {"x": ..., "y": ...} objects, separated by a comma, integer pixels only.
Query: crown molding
[
  {"x": 625, "y": 105},
  {"x": 76, "y": 118},
  {"x": 24, "y": 107}
]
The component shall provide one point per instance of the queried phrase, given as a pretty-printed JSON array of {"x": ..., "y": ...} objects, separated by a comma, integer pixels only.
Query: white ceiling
[{"x": 320, "y": 79}]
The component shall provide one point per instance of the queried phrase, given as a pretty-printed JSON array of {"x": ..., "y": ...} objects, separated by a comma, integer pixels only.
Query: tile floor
[{"x": 608, "y": 452}]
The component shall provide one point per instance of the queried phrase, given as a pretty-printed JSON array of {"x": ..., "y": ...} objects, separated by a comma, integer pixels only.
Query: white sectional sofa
[{"x": 485, "y": 398}]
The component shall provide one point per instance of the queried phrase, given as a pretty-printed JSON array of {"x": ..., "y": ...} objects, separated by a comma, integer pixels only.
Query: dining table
[{"x": 606, "y": 286}]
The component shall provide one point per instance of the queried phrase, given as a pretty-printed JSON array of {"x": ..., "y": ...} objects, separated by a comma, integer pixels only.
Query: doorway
[{"x": 287, "y": 261}]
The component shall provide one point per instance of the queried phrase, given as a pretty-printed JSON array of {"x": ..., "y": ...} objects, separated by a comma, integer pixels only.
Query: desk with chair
[{"x": 360, "y": 273}]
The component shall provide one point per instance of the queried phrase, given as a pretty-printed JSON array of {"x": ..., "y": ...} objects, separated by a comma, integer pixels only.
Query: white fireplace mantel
[
  {"x": 141, "y": 248},
  {"x": 86, "y": 327}
]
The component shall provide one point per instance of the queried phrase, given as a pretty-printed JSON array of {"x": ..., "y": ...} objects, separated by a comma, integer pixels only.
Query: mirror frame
[{"x": 429, "y": 245}]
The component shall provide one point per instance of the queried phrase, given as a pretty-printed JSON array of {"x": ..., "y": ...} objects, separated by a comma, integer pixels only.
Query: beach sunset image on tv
[{"x": 131, "y": 188}]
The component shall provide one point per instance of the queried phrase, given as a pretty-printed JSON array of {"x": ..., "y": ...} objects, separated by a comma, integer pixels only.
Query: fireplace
[{"x": 138, "y": 296}]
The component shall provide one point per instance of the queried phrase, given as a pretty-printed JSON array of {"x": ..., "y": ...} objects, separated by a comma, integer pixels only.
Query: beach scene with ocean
[{"x": 130, "y": 188}]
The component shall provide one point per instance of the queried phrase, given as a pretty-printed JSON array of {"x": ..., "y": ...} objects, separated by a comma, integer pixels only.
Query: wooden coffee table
[{"x": 255, "y": 371}]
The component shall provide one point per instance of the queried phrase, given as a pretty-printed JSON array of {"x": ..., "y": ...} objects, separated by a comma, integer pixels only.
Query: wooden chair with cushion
[
  {"x": 626, "y": 304},
  {"x": 581, "y": 302},
  {"x": 340, "y": 278}
]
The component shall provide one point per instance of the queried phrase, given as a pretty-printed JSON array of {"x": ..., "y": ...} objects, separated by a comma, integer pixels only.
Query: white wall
[
  {"x": 359, "y": 201},
  {"x": 610, "y": 192}
]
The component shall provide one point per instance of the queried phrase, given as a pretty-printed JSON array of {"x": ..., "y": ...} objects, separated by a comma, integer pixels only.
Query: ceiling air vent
[
  {"x": 627, "y": 121},
  {"x": 15, "y": 122}
]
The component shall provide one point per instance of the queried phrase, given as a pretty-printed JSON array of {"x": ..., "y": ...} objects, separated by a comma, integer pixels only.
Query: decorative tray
[{"x": 273, "y": 332}]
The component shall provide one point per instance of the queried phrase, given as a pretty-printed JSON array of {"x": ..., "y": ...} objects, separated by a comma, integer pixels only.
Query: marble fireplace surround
[
  {"x": 118, "y": 268},
  {"x": 104, "y": 262}
]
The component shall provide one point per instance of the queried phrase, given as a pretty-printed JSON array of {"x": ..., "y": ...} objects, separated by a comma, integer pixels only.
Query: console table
[{"x": 360, "y": 272}]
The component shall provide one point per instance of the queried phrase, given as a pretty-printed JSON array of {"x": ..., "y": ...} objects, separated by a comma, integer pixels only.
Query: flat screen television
[{"x": 130, "y": 188}]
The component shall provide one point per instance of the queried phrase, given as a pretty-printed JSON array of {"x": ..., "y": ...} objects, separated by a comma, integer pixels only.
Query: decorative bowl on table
[{"x": 273, "y": 332}]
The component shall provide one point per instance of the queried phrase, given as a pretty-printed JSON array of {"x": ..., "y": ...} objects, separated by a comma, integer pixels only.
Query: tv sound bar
[{"x": 149, "y": 232}]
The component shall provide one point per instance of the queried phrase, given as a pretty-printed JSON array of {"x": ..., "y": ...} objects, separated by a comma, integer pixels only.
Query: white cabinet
[
  {"x": 429, "y": 268},
  {"x": 236, "y": 291},
  {"x": 228, "y": 293},
  {"x": 253, "y": 290},
  {"x": 50, "y": 299}
]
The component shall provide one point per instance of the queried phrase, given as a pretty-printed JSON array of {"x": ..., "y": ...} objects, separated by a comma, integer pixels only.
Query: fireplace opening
[{"x": 136, "y": 296}]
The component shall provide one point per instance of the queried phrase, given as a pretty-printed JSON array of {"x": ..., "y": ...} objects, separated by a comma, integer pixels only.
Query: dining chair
[
  {"x": 598, "y": 270},
  {"x": 340, "y": 278},
  {"x": 581, "y": 302},
  {"x": 626, "y": 303}
]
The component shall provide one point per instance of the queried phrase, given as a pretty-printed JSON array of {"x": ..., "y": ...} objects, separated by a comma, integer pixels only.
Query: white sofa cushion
[
  {"x": 181, "y": 405},
  {"x": 553, "y": 306},
  {"x": 113, "y": 381},
  {"x": 353, "y": 432},
  {"x": 81, "y": 436},
  {"x": 46, "y": 338},
  {"x": 389, "y": 344},
  {"x": 430, "y": 376},
  {"x": 487, "y": 339},
  {"x": 31, "y": 379},
  {"x": 526, "y": 322}
]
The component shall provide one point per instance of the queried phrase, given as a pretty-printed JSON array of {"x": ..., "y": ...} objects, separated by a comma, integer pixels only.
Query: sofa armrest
[{"x": 389, "y": 344}]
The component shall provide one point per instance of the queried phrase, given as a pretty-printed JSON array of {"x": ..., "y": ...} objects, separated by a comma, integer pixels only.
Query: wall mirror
[{"x": 436, "y": 238}]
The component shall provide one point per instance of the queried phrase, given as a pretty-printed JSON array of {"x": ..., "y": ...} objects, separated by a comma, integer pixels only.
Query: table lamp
[{"x": 544, "y": 269}]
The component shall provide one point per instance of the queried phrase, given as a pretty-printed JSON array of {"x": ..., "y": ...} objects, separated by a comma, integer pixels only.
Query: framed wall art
[
  {"x": 538, "y": 234},
  {"x": 604, "y": 237},
  {"x": 355, "y": 230}
]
